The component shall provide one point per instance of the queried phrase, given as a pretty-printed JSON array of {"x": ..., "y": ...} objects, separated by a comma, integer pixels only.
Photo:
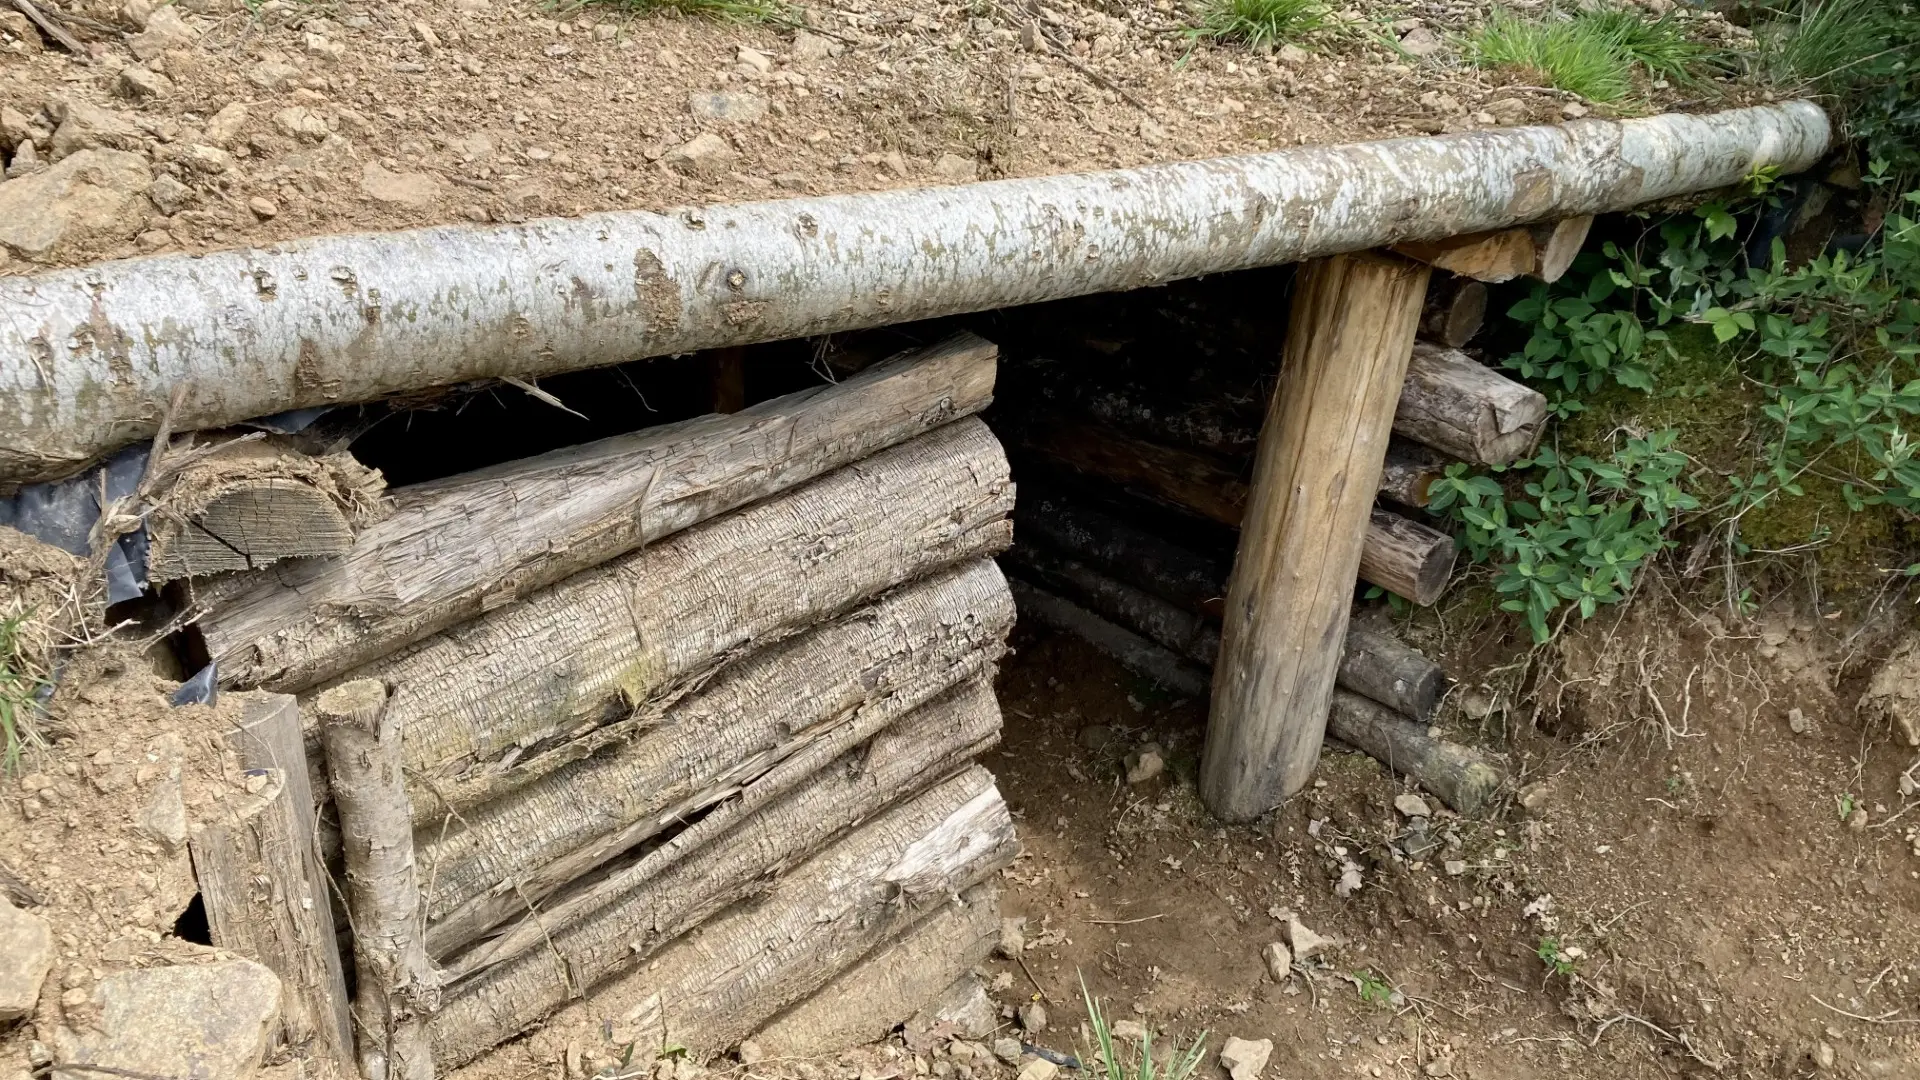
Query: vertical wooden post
[
  {"x": 265, "y": 888},
  {"x": 1315, "y": 475},
  {"x": 729, "y": 379}
]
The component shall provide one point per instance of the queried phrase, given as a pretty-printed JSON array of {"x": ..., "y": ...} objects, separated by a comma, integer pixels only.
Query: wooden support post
[
  {"x": 265, "y": 888},
  {"x": 397, "y": 989},
  {"x": 1315, "y": 474},
  {"x": 729, "y": 379}
]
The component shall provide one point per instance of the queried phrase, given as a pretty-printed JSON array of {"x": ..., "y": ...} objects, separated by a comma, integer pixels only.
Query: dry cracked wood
[
  {"x": 456, "y": 548},
  {"x": 1456, "y": 309},
  {"x": 764, "y": 954},
  {"x": 1459, "y": 406},
  {"x": 837, "y": 684},
  {"x": 645, "y": 627},
  {"x": 253, "y": 503}
]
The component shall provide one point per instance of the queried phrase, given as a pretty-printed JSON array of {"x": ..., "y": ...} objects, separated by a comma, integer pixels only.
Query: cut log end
[
  {"x": 1407, "y": 558},
  {"x": 1456, "y": 309},
  {"x": 357, "y": 703}
]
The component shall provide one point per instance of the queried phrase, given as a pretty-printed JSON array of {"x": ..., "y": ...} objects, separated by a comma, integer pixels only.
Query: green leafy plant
[
  {"x": 1845, "y": 805},
  {"x": 1257, "y": 23},
  {"x": 1557, "y": 960},
  {"x": 1374, "y": 990},
  {"x": 1862, "y": 56},
  {"x": 1106, "y": 1062}
]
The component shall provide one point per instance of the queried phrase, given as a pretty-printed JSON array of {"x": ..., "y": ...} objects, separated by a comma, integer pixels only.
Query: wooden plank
[
  {"x": 1318, "y": 466},
  {"x": 265, "y": 889}
]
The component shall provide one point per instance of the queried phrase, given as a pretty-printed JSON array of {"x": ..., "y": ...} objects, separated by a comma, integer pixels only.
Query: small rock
[
  {"x": 1455, "y": 867},
  {"x": 165, "y": 30},
  {"x": 15, "y": 127},
  {"x": 1509, "y": 111},
  {"x": 1535, "y": 798},
  {"x": 168, "y": 195},
  {"x": 142, "y": 83},
  {"x": 605, "y": 32},
  {"x": 705, "y": 153},
  {"x": 750, "y": 1053},
  {"x": 25, "y": 160},
  {"x": 1129, "y": 1030},
  {"x": 263, "y": 208},
  {"x": 962, "y": 1010},
  {"x": 1145, "y": 763},
  {"x": 809, "y": 48},
  {"x": 1095, "y": 736},
  {"x": 1797, "y": 722},
  {"x": 1573, "y": 110},
  {"x": 207, "y": 159},
  {"x": 1007, "y": 1050},
  {"x": 84, "y": 127},
  {"x": 272, "y": 74},
  {"x": 225, "y": 125},
  {"x": 727, "y": 107},
  {"x": 322, "y": 47},
  {"x": 1013, "y": 937},
  {"x": 1305, "y": 942},
  {"x": 1033, "y": 1017},
  {"x": 1823, "y": 1055},
  {"x": 90, "y": 196},
  {"x": 1421, "y": 42},
  {"x": 135, "y": 13},
  {"x": 426, "y": 36},
  {"x": 1294, "y": 55},
  {"x": 165, "y": 817},
  {"x": 210, "y": 1022},
  {"x": 753, "y": 58},
  {"x": 396, "y": 188},
  {"x": 1857, "y": 821},
  {"x": 1440, "y": 1066},
  {"x": 299, "y": 122},
  {"x": 955, "y": 168},
  {"x": 1039, "y": 1069},
  {"x": 1152, "y": 132},
  {"x": 26, "y": 955},
  {"x": 1279, "y": 960},
  {"x": 1243, "y": 1058},
  {"x": 1473, "y": 702},
  {"x": 1411, "y": 805}
]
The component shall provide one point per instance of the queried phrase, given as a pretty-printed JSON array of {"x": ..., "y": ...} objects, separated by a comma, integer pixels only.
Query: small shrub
[
  {"x": 1106, "y": 1063},
  {"x": 1593, "y": 53},
  {"x": 1257, "y": 23}
]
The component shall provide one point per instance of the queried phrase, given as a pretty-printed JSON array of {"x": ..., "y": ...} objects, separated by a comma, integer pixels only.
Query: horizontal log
[
  {"x": 252, "y": 503},
  {"x": 888, "y": 986},
  {"x": 840, "y": 682},
  {"x": 1456, "y": 309},
  {"x": 762, "y": 955},
  {"x": 1493, "y": 256},
  {"x": 1375, "y": 665},
  {"x": 94, "y": 357},
  {"x": 1410, "y": 471},
  {"x": 503, "y": 688},
  {"x": 1461, "y": 407},
  {"x": 1187, "y": 578},
  {"x": 1461, "y": 776},
  {"x": 1400, "y": 555},
  {"x": 456, "y": 548}
]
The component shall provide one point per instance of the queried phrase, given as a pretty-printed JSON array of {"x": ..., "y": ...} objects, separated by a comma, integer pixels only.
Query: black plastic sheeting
[{"x": 63, "y": 512}]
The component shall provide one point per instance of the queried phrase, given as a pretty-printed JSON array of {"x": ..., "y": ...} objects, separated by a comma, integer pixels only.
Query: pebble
[
  {"x": 1129, "y": 1030},
  {"x": 754, "y": 59},
  {"x": 165, "y": 30},
  {"x": 299, "y": 122},
  {"x": 264, "y": 209},
  {"x": 1411, "y": 805},
  {"x": 1013, "y": 937},
  {"x": 705, "y": 153},
  {"x": 953, "y": 167},
  {"x": 1279, "y": 960},
  {"x": 142, "y": 83},
  {"x": 1245, "y": 1058},
  {"x": 750, "y": 1052},
  {"x": 25, "y": 160},
  {"x": 1145, "y": 763},
  {"x": 168, "y": 195},
  {"x": 224, "y": 125},
  {"x": 727, "y": 107},
  {"x": 1033, "y": 1017},
  {"x": 1095, "y": 736},
  {"x": 1007, "y": 1050},
  {"x": 1797, "y": 722},
  {"x": 26, "y": 955},
  {"x": 1456, "y": 867},
  {"x": 1039, "y": 1069},
  {"x": 809, "y": 48},
  {"x": 1305, "y": 942},
  {"x": 396, "y": 188},
  {"x": 1823, "y": 1055},
  {"x": 1421, "y": 42}
]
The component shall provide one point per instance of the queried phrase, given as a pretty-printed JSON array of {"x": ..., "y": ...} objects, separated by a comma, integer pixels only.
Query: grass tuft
[
  {"x": 18, "y": 684},
  {"x": 1820, "y": 43},
  {"x": 1567, "y": 55},
  {"x": 746, "y": 11},
  {"x": 1106, "y": 1063},
  {"x": 1660, "y": 46},
  {"x": 1257, "y": 23}
]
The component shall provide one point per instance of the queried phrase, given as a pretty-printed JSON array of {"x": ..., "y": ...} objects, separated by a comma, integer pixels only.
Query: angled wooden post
[{"x": 1315, "y": 475}]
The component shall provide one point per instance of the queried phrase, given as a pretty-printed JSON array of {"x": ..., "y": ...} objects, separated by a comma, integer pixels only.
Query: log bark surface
[
  {"x": 265, "y": 889},
  {"x": 757, "y": 959},
  {"x": 1461, "y": 776},
  {"x": 1456, "y": 309},
  {"x": 248, "y": 333},
  {"x": 1315, "y": 476},
  {"x": 1461, "y": 407},
  {"x": 397, "y": 989},
  {"x": 1406, "y": 557},
  {"x": 456, "y": 548},
  {"x": 845, "y": 679},
  {"x": 888, "y": 986},
  {"x": 585, "y": 652}
]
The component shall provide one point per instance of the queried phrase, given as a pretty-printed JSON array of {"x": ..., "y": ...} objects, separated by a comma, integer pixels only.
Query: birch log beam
[
  {"x": 1402, "y": 556},
  {"x": 836, "y": 685},
  {"x": 765, "y": 954},
  {"x": 1544, "y": 251},
  {"x": 1461, "y": 407},
  {"x": 397, "y": 988},
  {"x": 578, "y": 655},
  {"x": 94, "y": 357},
  {"x": 1374, "y": 665},
  {"x": 457, "y": 548},
  {"x": 265, "y": 889},
  {"x": 1348, "y": 340}
]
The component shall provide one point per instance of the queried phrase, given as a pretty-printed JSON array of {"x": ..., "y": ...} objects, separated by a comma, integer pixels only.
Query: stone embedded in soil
[
  {"x": 1033, "y": 1017},
  {"x": 165, "y": 30},
  {"x": 1535, "y": 798},
  {"x": 1279, "y": 960},
  {"x": 962, "y": 1010},
  {"x": 1421, "y": 42},
  {"x": 92, "y": 196},
  {"x": 1411, "y": 805},
  {"x": 1013, "y": 937},
  {"x": 85, "y": 126},
  {"x": 300, "y": 122},
  {"x": 25, "y": 160},
  {"x": 705, "y": 154},
  {"x": 1145, "y": 763},
  {"x": 1797, "y": 722},
  {"x": 1305, "y": 942},
  {"x": 170, "y": 196},
  {"x": 955, "y": 168},
  {"x": 142, "y": 83},
  {"x": 810, "y": 48},
  {"x": 1129, "y": 1030},
  {"x": 165, "y": 816},
  {"x": 1007, "y": 1050},
  {"x": 208, "y": 1022},
  {"x": 727, "y": 107},
  {"x": 26, "y": 954},
  {"x": 1095, "y": 736},
  {"x": 1245, "y": 1058},
  {"x": 224, "y": 125},
  {"x": 1039, "y": 1069},
  {"x": 750, "y": 1053},
  {"x": 397, "y": 188}
]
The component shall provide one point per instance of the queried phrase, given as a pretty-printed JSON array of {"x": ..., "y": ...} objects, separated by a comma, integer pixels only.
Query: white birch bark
[{"x": 91, "y": 358}]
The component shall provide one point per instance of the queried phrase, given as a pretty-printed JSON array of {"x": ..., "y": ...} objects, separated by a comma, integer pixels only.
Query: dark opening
[{"x": 192, "y": 923}]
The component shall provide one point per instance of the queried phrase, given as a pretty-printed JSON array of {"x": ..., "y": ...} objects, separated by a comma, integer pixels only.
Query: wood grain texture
[
  {"x": 864, "y": 885},
  {"x": 648, "y": 626},
  {"x": 1315, "y": 476},
  {"x": 1456, "y": 309},
  {"x": 1496, "y": 256},
  {"x": 1461, "y": 776},
  {"x": 265, "y": 889},
  {"x": 1407, "y": 558},
  {"x": 1132, "y": 650},
  {"x": 839, "y": 683},
  {"x": 1556, "y": 244},
  {"x": 1459, "y": 406},
  {"x": 456, "y": 548}
]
